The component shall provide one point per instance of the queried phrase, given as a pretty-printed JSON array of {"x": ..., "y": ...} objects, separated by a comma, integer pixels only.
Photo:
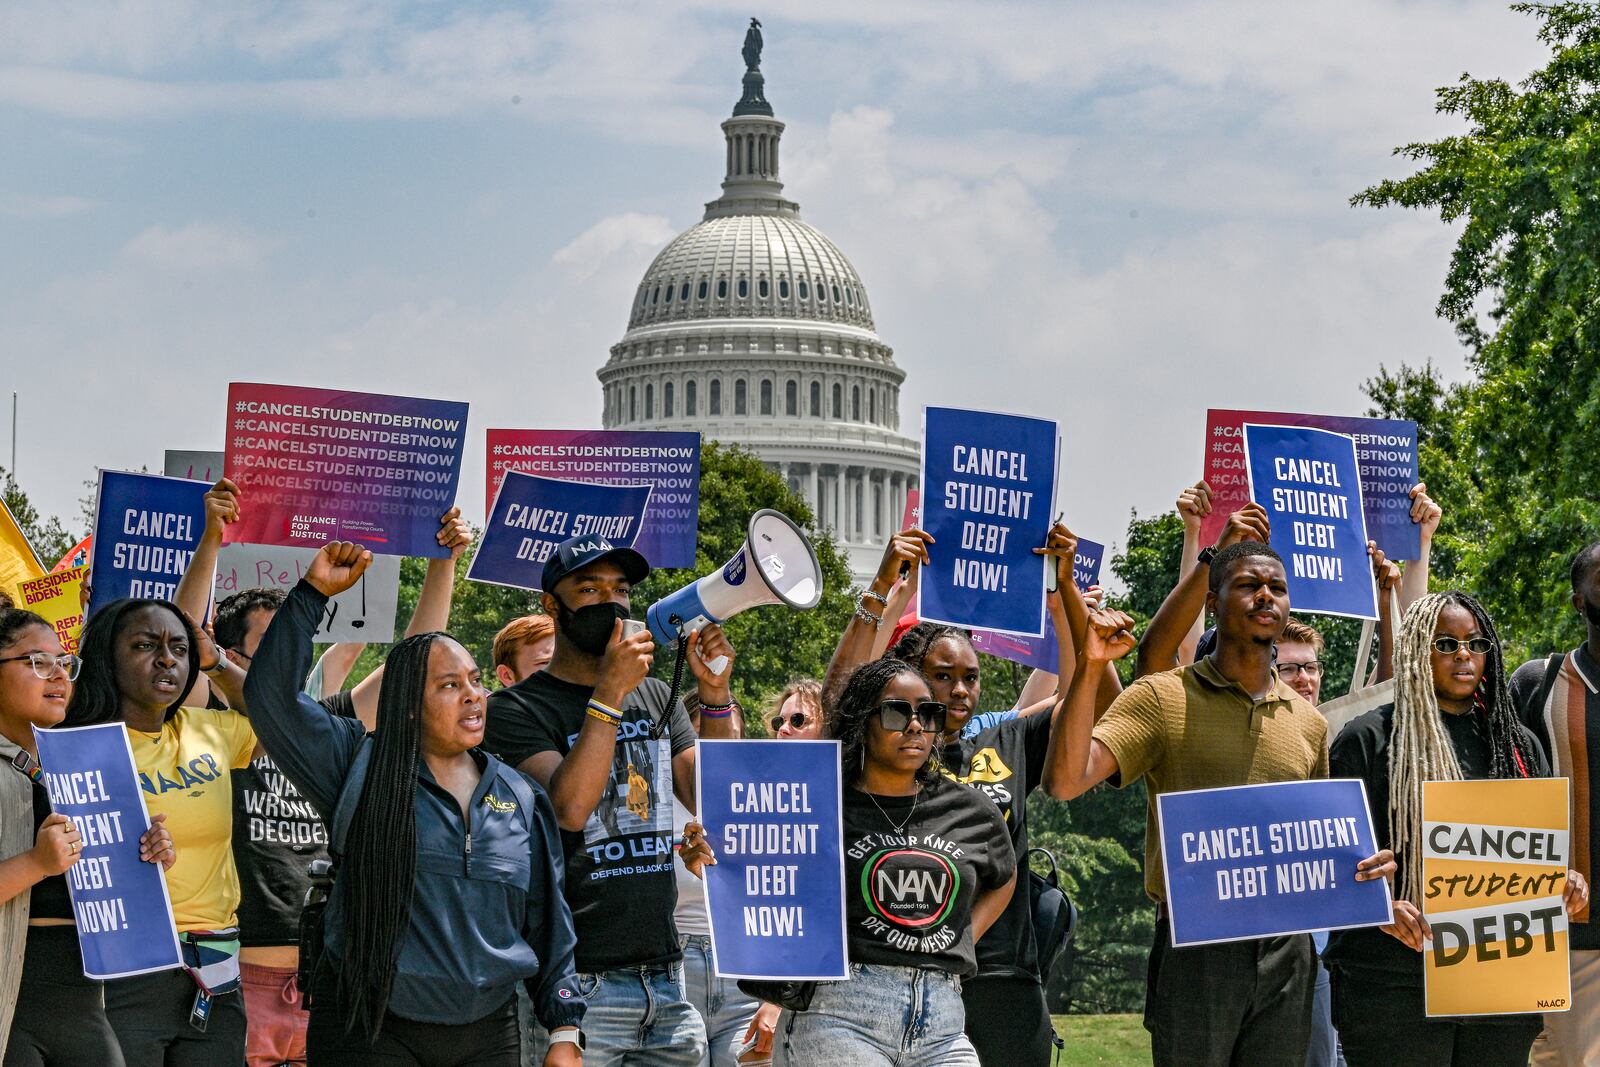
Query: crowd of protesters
[{"x": 463, "y": 837}]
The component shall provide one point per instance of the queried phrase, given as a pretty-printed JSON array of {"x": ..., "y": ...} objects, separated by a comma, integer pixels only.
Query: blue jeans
[
  {"x": 881, "y": 1017},
  {"x": 726, "y": 1009},
  {"x": 640, "y": 1016}
]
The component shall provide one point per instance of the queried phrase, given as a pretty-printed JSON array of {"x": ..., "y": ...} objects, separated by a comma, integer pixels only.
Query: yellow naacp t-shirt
[{"x": 184, "y": 771}]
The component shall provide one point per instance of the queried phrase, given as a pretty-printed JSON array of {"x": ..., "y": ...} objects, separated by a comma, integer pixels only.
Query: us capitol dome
[{"x": 752, "y": 328}]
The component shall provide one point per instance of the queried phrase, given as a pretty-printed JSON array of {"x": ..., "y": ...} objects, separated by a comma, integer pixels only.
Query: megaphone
[{"x": 775, "y": 565}]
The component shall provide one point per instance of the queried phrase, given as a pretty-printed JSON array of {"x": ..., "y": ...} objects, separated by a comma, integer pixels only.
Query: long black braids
[
  {"x": 96, "y": 697},
  {"x": 914, "y": 643},
  {"x": 380, "y": 862},
  {"x": 847, "y": 719}
]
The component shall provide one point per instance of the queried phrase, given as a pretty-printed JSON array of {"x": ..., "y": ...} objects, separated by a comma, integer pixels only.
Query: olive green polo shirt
[{"x": 1191, "y": 728}]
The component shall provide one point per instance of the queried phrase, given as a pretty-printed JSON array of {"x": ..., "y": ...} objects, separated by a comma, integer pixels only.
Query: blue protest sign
[
  {"x": 1263, "y": 860},
  {"x": 988, "y": 487},
  {"x": 771, "y": 810},
  {"x": 120, "y": 902},
  {"x": 1310, "y": 485},
  {"x": 1043, "y": 653},
  {"x": 533, "y": 514},
  {"x": 145, "y": 530}
]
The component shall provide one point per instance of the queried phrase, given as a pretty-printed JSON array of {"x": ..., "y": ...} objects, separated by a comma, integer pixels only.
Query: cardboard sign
[
  {"x": 57, "y": 597},
  {"x": 145, "y": 531},
  {"x": 988, "y": 491},
  {"x": 363, "y": 613},
  {"x": 533, "y": 515},
  {"x": 1386, "y": 450},
  {"x": 319, "y": 465},
  {"x": 669, "y": 462},
  {"x": 1494, "y": 867},
  {"x": 1263, "y": 860},
  {"x": 1043, "y": 653},
  {"x": 1308, "y": 482},
  {"x": 196, "y": 466},
  {"x": 772, "y": 810},
  {"x": 120, "y": 902}
]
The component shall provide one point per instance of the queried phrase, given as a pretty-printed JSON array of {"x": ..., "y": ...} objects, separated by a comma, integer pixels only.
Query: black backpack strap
[
  {"x": 344, "y": 813},
  {"x": 1552, "y": 671}
]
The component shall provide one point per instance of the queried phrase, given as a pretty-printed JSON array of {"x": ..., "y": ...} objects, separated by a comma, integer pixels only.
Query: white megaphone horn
[{"x": 775, "y": 565}]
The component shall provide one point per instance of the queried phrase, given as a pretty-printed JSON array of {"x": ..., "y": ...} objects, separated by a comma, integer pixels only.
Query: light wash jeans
[
  {"x": 640, "y": 1016},
  {"x": 881, "y": 1017},
  {"x": 725, "y": 1009}
]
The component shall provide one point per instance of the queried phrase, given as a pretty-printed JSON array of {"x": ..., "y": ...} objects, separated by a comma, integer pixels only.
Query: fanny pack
[
  {"x": 791, "y": 994},
  {"x": 211, "y": 958}
]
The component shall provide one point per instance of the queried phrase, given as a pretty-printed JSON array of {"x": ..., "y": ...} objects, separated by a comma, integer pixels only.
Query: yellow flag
[
  {"x": 58, "y": 597},
  {"x": 17, "y": 561}
]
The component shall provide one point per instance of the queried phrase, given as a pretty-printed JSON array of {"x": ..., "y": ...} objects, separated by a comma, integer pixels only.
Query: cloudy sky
[{"x": 1117, "y": 215}]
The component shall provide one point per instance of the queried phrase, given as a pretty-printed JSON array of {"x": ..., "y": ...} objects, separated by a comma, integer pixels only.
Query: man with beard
[
  {"x": 1558, "y": 699},
  {"x": 598, "y": 734}
]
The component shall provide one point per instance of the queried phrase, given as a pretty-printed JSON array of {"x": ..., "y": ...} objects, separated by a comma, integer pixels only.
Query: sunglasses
[
  {"x": 797, "y": 721},
  {"x": 896, "y": 715},
  {"x": 1449, "y": 646},
  {"x": 46, "y": 664}
]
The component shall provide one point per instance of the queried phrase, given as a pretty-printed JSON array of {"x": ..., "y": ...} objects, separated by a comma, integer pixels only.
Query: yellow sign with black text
[
  {"x": 1494, "y": 866},
  {"x": 58, "y": 598}
]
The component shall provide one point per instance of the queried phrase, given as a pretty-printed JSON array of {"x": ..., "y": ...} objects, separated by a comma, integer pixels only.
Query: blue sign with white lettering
[
  {"x": 119, "y": 901},
  {"x": 1263, "y": 860},
  {"x": 145, "y": 531},
  {"x": 988, "y": 488},
  {"x": 772, "y": 813},
  {"x": 1309, "y": 482},
  {"x": 533, "y": 514}
]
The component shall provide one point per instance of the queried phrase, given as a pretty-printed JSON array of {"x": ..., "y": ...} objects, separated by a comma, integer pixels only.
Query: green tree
[{"x": 1517, "y": 471}]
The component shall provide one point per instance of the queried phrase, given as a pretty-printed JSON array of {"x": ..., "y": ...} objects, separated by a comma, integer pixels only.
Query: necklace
[{"x": 899, "y": 828}]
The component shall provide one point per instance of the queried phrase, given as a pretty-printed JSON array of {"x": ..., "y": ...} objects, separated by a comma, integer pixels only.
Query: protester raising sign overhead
[
  {"x": 531, "y": 516},
  {"x": 145, "y": 530}
]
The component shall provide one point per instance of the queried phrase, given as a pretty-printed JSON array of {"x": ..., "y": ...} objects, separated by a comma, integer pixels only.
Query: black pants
[
  {"x": 491, "y": 1041},
  {"x": 1383, "y": 1022},
  {"x": 150, "y": 1016},
  {"x": 1239, "y": 1004},
  {"x": 1007, "y": 1021},
  {"x": 61, "y": 1015}
]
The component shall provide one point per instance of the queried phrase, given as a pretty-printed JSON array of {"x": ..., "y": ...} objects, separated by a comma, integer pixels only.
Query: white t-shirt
[{"x": 690, "y": 914}]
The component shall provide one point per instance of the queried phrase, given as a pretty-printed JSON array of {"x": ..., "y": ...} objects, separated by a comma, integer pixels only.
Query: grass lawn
[{"x": 1104, "y": 1040}]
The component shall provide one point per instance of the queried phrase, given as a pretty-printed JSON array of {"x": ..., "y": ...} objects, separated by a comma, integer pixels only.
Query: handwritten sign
[
  {"x": 203, "y": 466},
  {"x": 364, "y": 612},
  {"x": 145, "y": 531},
  {"x": 57, "y": 598},
  {"x": 533, "y": 515}
]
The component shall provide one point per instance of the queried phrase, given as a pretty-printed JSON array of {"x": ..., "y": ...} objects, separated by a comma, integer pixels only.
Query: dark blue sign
[
  {"x": 1043, "y": 653},
  {"x": 1262, "y": 860},
  {"x": 145, "y": 530},
  {"x": 533, "y": 514},
  {"x": 1309, "y": 482},
  {"x": 771, "y": 810},
  {"x": 988, "y": 487},
  {"x": 120, "y": 902}
]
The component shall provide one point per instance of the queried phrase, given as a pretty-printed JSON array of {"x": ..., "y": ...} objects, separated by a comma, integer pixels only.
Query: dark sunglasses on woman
[
  {"x": 1449, "y": 646},
  {"x": 797, "y": 721},
  {"x": 896, "y": 715}
]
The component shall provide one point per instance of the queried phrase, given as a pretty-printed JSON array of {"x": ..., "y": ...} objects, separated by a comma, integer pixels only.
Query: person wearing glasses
[
  {"x": 1452, "y": 720},
  {"x": 799, "y": 716},
  {"x": 50, "y": 1014},
  {"x": 929, "y": 867}
]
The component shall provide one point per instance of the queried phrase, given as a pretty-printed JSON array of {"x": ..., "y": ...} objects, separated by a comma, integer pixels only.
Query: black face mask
[{"x": 590, "y": 627}]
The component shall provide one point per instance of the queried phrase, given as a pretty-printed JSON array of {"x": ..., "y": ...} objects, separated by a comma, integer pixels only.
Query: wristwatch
[
  {"x": 571, "y": 1037},
  {"x": 1206, "y": 555}
]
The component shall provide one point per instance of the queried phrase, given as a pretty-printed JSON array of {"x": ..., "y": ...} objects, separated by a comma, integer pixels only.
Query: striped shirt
[{"x": 1563, "y": 712}]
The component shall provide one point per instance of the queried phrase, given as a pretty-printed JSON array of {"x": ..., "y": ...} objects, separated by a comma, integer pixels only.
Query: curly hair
[
  {"x": 847, "y": 720},
  {"x": 914, "y": 643},
  {"x": 232, "y": 619}
]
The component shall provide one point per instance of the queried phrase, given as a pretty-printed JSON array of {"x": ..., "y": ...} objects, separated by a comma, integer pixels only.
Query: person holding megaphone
[{"x": 612, "y": 747}]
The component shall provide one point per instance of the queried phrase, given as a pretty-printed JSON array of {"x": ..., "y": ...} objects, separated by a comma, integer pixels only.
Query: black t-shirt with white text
[
  {"x": 909, "y": 893},
  {"x": 619, "y": 882}
]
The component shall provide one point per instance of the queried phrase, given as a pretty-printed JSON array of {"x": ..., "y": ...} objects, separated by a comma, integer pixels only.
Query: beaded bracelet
[
  {"x": 868, "y": 594},
  {"x": 868, "y": 617}
]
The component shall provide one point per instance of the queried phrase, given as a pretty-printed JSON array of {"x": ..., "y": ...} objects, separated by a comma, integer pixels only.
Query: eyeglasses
[
  {"x": 46, "y": 664},
  {"x": 896, "y": 715},
  {"x": 797, "y": 721},
  {"x": 1290, "y": 671},
  {"x": 1449, "y": 646}
]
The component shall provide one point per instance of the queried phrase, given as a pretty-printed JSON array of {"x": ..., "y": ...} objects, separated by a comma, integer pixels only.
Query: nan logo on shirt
[{"x": 909, "y": 887}]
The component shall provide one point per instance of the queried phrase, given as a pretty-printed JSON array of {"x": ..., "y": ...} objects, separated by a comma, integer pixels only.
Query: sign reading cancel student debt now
[
  {"x": 1263, "y": 860},
  {"x": 531, "y": 516},
  {"x": 988, "y": 489},
  {"x": 668, "y": 460},
  {"x": 120, "y": 902},
  {"x": 317, "y": 465},
  {"x": 145, "y": 530},
  {"x": 771, "y": 810},
  {"x": 1494, "y": 868},
  {"x": 1308, "y": 482}
]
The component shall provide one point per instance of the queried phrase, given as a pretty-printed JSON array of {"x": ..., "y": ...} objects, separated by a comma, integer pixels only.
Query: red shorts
[{"x": 277, "y": 1024}]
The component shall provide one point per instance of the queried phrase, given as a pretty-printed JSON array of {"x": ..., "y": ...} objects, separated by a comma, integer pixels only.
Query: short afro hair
[
  {"x": 232, "y": 620},
  {"x": 1225, "y": 558},
  {"x": 1584, "y": 564}
]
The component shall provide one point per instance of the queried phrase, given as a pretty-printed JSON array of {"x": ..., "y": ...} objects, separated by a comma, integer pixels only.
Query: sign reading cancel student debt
[
  {"x": 317, "y": 465},
  {"x": 531, "y": 516},
  {"x": 1309, "y": 484},
  {"x": 120, "y": 902},
  {"x": 771, "y": 810},
  {"x": 1494, "y": 867},
  {"x": 1263, "y": 860},
  {"x": 988, "y": 487},
  {"x": 145, "y": 530},
  {"x": 668, "y": 460}
]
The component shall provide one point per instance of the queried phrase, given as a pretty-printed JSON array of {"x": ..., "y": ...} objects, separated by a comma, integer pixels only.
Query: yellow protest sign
[
  {"x": 1494, "y": 866},
  {"x": 58, "y": 597},
  {"x": 17, "y": 561}
]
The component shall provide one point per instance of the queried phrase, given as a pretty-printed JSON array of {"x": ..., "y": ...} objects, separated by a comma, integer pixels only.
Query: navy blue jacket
[{"x": 488, "y": 910}]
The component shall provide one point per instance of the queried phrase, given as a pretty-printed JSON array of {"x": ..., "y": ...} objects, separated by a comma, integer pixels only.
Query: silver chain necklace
[{"x": 901, "y": 827}]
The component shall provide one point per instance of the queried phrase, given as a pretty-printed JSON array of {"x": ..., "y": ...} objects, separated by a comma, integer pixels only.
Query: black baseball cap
[{"x": 576, "y": 553}]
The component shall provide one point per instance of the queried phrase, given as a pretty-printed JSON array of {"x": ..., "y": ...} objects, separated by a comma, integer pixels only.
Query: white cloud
[
  {"x": 198, "y": 246},
  {"x": 26, "y": 206},
  {"x": 631, "y": 231}
]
